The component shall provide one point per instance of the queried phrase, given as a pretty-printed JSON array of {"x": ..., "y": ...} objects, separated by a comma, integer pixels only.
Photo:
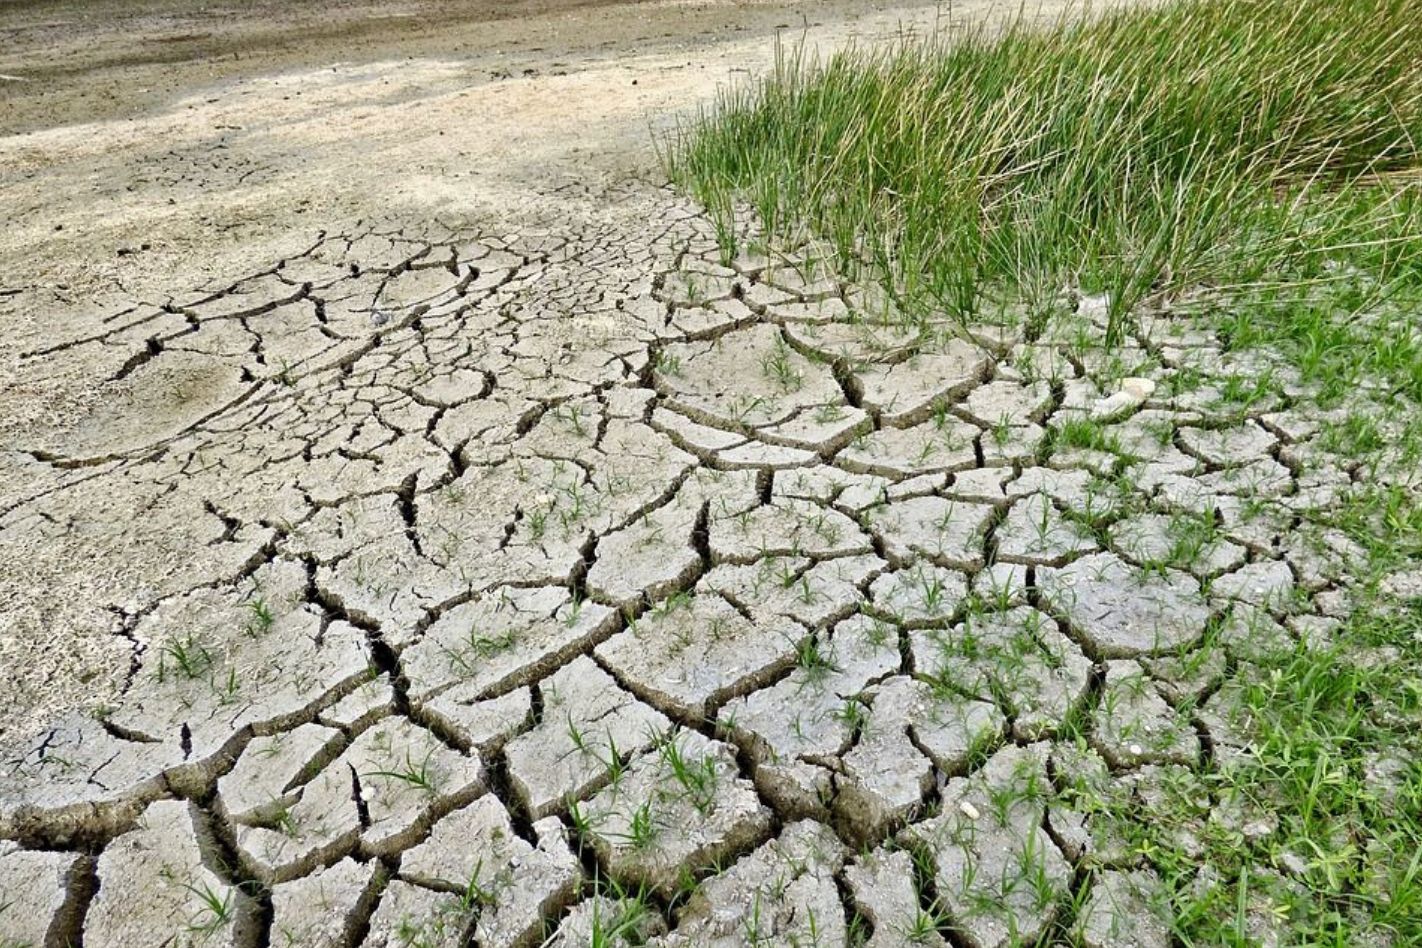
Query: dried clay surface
[{"x": 441, "y": 583}]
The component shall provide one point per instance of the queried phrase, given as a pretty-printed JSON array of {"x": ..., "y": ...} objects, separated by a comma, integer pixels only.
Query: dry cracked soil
[{"x": 415, "y": 532}]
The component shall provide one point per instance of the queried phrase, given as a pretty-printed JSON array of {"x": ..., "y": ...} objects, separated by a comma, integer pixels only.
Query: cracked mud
[{"x": 505, "y": 575}]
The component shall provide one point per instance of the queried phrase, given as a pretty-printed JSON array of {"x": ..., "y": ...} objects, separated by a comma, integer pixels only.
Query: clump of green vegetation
[{"x": 1238, "y": 156}]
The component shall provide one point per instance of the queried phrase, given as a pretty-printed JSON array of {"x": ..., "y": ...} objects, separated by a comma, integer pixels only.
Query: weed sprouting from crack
[
  {"x": 814, "y": 660},
  {"x": 218, "y": 908},
  {"x": 778, "y": 366},
  {"x": 477, "y": 894},
  {"x": 625, "y": 925},
  {"x": 698, "y": 778},
  {"x": 260, "y": 617},
  {"x": 668, "y": 364},
  {"x": 416, "y": 774},
  {"x": 642, "y": 829},
  {"x": 190, "y": 658}
]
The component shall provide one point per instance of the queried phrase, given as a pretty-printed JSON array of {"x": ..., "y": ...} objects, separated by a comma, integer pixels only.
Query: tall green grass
[{"x": 1260, "y": 149}]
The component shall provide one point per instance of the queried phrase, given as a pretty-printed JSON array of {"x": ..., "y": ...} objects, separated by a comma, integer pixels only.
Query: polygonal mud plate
[
  {"x": 942, "y": 444},
  {"x": 383, "y": 792},
  {"x": 812, "y": 593},
  {"x": 323, "y": 910},
  {"x": 155, "y": 888},
  {"x": 783, "y": 893},
  {"x": 998, "y": 873},
  {"x": 910, "y": 730},
  {"x": 219, "y": 663},
  {"x": 602, "y": 920},
  {"x": 1019, "y": 657},
  {"x": 1035, "y": 533},
  {"x": 693, "y": 653},
  {"x": 921, "y": 595},
  {"x": 796, "y": 727},
  {"x": 786, "y": 527},
  {"x": 747, "y": 379},
  {"x": 948, "y": 533},
  {"x": 409, "y": 915},
  {"x": 508, "y": 637},
  {"x": 39, "y": 895},
  {"x": 907, "y": 392},
  {"x": 1122, "y": 612},
  {"x": 1134, "y": 725},
  {"x": 475, "y": 853},
  {"x": 590, "y": 727},
  {"x": 1125, "y": 910},
  {"x": 884, "y": 891},
  {"x": 681, "y": 807}
]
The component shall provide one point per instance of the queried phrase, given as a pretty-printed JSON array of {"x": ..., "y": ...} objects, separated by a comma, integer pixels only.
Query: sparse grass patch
[
  {"x": 1335, "y": 761},
  {"x": 1317, "y": 756}
]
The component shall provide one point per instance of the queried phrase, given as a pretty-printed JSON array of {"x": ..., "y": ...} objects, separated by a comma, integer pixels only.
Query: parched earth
[
  {"x": 444, "y": 583},
  {"x": 526, "y": 570}
]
